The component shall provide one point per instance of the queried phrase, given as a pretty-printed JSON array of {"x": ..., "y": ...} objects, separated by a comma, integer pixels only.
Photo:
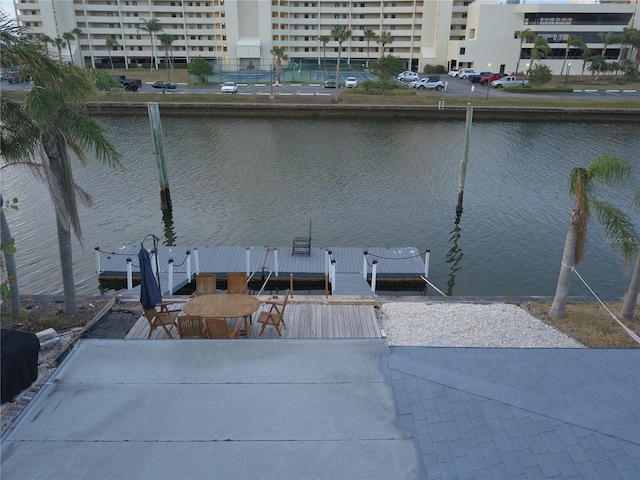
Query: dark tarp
[
  {"x": 19, "y": 362},
  {"x": 150, "y": 294}
]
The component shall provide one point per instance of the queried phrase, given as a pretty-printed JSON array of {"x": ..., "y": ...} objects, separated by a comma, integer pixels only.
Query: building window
[{"x": 462, "y": 50}]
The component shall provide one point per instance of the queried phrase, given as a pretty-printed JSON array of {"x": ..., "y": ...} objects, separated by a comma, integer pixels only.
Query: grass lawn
[{"x": 590, "y": 323}]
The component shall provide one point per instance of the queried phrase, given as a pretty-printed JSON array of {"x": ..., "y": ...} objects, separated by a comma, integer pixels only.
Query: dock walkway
[{"x": 304, "y": 319}]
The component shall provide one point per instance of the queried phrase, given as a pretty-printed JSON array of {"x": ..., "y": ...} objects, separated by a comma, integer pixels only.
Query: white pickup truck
[{"x": 508, "y": 81}]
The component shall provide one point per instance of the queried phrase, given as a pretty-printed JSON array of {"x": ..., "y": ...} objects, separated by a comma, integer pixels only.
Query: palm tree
[
  {"x": 8, "y": 250},
  {"x": 279, "y": 55},
  {"x": 166, "y": 40},
  {"x": 607, "y": 39},
  {"x": 383, "y": 39},
  {"x": 76, "y": 32},
  {"x": 369, "y": 35},
  {"x": 341, "y": 34},
  {"x": 630, "y": 299},
  {"x": 45, "y": 41},
  {"x": 633, "y": 39},
  {"x": 49, "y": 124},
  {"x": 572, "y": 41},
  {"x": 111, "y": 43},
  {"x": 68, "y": 36},
  {"x": 586, "y": 55},
  {"x": 324, "y": 39},
  {"x": 60, "y": 44},
  {"x": 539, "y": 50},
  {"x": 525, "y": 35},
  {"x": 152, "y": 26},
  {"x": 583, "y": 181}
]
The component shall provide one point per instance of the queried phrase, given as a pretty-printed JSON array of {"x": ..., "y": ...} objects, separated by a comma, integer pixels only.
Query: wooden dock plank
[{"x": 304, "y": 320}]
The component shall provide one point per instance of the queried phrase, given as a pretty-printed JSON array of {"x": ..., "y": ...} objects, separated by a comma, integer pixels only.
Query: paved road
[{"x": 454, "y": 87}]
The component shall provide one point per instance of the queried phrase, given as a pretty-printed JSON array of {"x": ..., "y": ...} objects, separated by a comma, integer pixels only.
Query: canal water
[{"x": 362, "y": 182}]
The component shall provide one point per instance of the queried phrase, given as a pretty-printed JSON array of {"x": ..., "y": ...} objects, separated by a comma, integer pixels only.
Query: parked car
[
  {"x": 407, "y": 76},
  {"x": 478, "y": 78},
  {"x": 485, "y": 79},
  {"x": 229, "y": 87},
  {"x": 454, "y": 73},
  {"x": 351, "y": 82},
  {"x": 430, "y": 83},
  {"x": 129, "y": 84},
  {"x": 467, "y": 72},
  {"x": 414, "y": 83},
  {"x": 508, "y": 81},
  {"x": 164, "y": 85},
  {"x": 330, "y": 83}
]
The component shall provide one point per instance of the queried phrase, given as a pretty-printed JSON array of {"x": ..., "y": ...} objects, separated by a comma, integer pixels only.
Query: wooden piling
[
  {"x": 158, "y": 148},
  {"x": 465, "y": 156}
]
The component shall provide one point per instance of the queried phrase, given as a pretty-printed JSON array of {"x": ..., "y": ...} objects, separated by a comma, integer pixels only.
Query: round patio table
[{"x": 222, "y": 305}]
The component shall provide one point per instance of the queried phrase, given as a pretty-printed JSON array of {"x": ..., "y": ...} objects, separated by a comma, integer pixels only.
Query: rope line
[
  {"x": 397, "y": 258},
  {"x": 630, "y": 332}
]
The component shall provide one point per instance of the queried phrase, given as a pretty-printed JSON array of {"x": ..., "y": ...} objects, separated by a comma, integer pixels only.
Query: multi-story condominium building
[{"x": 235, "y": 34}]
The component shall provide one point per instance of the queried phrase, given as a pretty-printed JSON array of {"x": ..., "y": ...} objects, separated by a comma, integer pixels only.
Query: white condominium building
[{"x": 236, "y": 34}]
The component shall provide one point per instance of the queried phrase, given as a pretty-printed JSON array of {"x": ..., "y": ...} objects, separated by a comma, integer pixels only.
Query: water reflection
[
  {"x": 169, "y": 231},
  {"x": 454, "y": 255}
]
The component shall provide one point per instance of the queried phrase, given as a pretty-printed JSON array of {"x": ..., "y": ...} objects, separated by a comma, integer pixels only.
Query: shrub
[
  {"x": 434, "y": 69},
  {"x": 540, "y": 74}
]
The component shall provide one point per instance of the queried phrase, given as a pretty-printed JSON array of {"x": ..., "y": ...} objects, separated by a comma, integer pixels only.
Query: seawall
[{"x": 297, "y": 110}]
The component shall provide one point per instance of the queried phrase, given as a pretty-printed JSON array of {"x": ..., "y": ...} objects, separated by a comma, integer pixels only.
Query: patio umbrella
[{"x": 150, "y": 294}]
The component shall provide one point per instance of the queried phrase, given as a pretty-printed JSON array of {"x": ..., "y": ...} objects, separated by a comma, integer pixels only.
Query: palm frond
[
  {"x": 619, "y": 229},
  {"x": 85, "y": 134},
  {"x": 19, "y": 138},
  {"x": 609, "y": 169}
]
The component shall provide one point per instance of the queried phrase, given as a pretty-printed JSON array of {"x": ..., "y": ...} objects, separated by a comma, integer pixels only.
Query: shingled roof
[{"x": 521, "y": 413}]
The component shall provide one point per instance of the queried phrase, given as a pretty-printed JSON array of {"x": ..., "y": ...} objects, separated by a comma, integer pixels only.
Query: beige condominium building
[{"x": 240, "y": 34}]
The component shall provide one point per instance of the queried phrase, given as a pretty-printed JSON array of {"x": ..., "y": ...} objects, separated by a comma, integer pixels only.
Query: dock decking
[
  {"x": 304, "y": 320},
  {"x": 399, "y": 264}
]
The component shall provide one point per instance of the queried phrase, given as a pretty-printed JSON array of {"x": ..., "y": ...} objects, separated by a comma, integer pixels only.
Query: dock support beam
[
  {"x": 365, "y": 265},
  {"x": 171, "y": 276},
  {"x": 275, "y": 261},
  {"x": 98, "y": 261},
  {"x": 374, "y": 270},
  {"x": 189, "y": 266},
  {"x": 426, "y": 263},
  {"x": 332, "y": 274},
  {"x": 129, "y": 274},
  {"x": 196, "y": 260}
]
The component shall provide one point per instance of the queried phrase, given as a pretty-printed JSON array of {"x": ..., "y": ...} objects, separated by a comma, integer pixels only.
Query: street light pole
[
  {"x": 271, "y": 81},
  {"x": 566, "y": 79},
  {"x": 488, "y": 81}
]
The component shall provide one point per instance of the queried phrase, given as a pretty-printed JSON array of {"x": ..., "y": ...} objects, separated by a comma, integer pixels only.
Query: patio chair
[
  {"x": 161, "y": 318},
  {"x": 218, "y": 328},
  {"x": 205, "y": 284},
  {"x": 237, "y": 283},
  {"x": 190, "y": 326},
  {"x": 274, "y": 316}
]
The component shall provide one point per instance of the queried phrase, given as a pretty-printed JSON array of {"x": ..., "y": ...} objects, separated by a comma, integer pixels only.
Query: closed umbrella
[{"x": 150, "y": 294}]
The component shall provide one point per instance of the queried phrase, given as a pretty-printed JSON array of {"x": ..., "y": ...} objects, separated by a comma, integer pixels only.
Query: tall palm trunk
[
  {"x": 9, "y": 262},
  {"x": 60, "y": 180},
  {"x": 66, "y": 265},
  {"x": 630, "y": 300},
  {"x": 558, "y": 307},
  {"x": 338, "y": 72}
]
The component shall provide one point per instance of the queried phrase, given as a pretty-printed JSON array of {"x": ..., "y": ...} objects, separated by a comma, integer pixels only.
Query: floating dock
[{"x": 344, "y": 266}]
